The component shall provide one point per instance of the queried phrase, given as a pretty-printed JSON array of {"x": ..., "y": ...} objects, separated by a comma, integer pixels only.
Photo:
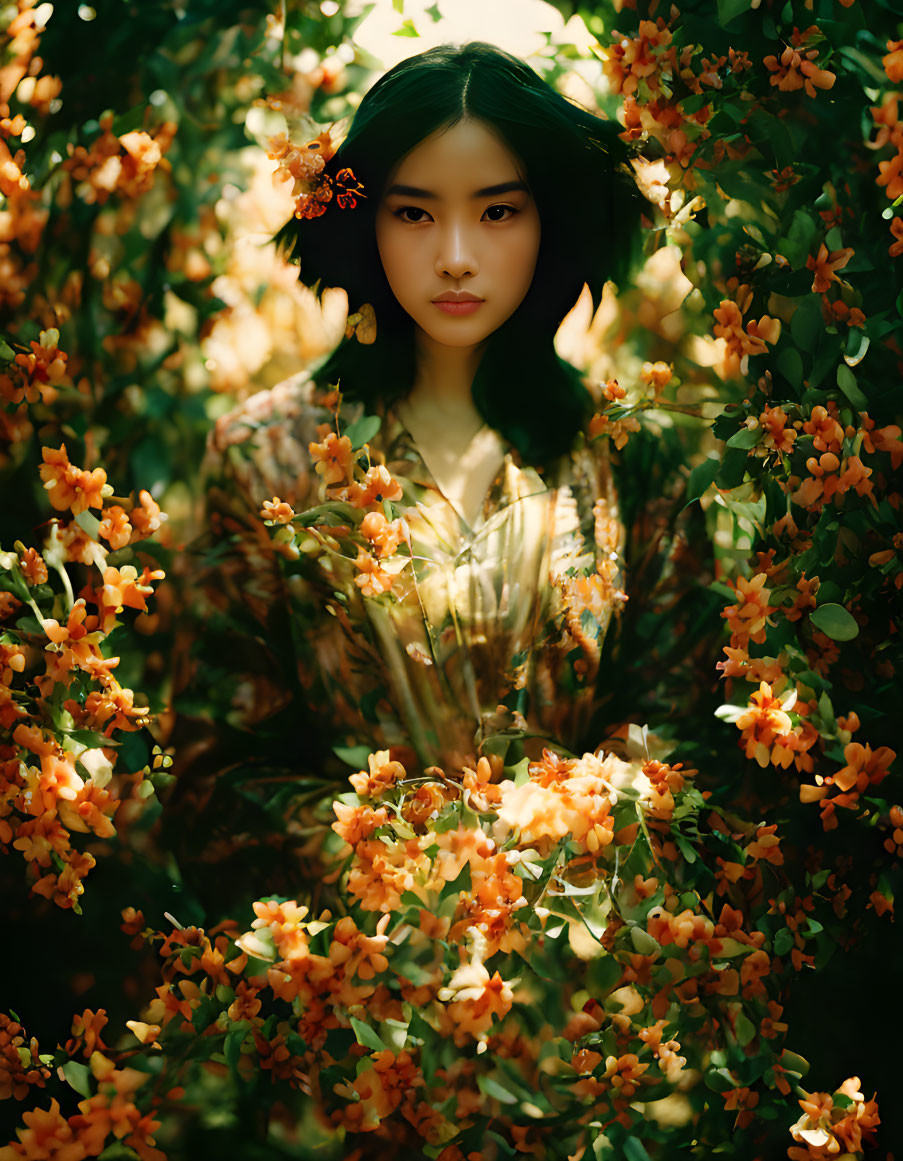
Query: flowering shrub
[
  {"x": 624, "y": 952},
  {"x": 62, "y": 709}
]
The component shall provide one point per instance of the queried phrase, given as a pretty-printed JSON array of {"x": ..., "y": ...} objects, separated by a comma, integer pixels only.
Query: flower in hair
[{"x": 305, "y": 165}]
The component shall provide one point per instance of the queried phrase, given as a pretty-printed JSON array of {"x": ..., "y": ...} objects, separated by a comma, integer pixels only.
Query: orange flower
[
  {"x": 86, "y": 1030},
  {"x": 882, "y": 439},
  {"x": 773, "y": 421},
  {"x": 372, "y": 580},
  {"x": 474, "y": 998},
  {"x": 893, "y": 62},
  {"x": 864, "y": 767},
  {"x": 806, "y": 600},
  {"x": 540, "y": 814},
  {"x": 33, "y": 567},
  {"x": 332, "y": 458},
  {"x": 69, "y": 486},
  {"x": 124, "y": 588},
  {"x": 657, "y": 375},
  {"x": 641, "y": 58},
  {"x": 380, "y": 874},
  {"x": 277, "y": 510},
  {"x": 618, "y": 430},
  {"x": 828, "y": 1130},
  {"x": 356, "y": 823},
  {"x": 826, "y": 432},
  {"x": 382, "y": 534},
  {"x": 424, "y": 803},
  {"x": 766, "y": 845},
  {"x": 826, "y": 265},
  {"x": 12, "y": 661},
  {"x": 479, "y": 792},
  {"x": 146, "y": 516},
  {"x": 624, "y": 1074},
  {"x": 762, "y": 723},
  {"x": 838, "y": 311},
  {"x": 358, "y": 954},
  {"x": 20, "y": 1066},
  {"x": 377, "y": 485},
  {"x": 383, "y": 775},
  {"x": 740, "y": 343},
  {"x": 287, "y": 924},
  {"x": 115, "y": 527},
  {"x": 747, "y": 618},
  {"x": 893, "y": 844},
  {"x": 744, "y": 1100},
  {"x": 47, "y": 1135},
  {"x": 798, "y": 71},
  {"x": 40, "y": 838}
]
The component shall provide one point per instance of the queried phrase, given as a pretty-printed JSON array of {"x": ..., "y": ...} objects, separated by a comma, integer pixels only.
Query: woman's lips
[{"x": 458, "y": 307}]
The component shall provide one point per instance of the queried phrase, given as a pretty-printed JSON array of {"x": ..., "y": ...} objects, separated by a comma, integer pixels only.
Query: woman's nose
[{"x": 457, "y": 252}]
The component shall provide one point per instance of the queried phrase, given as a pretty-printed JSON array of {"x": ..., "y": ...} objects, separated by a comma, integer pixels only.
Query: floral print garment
[{"x": 465, "y": 640}]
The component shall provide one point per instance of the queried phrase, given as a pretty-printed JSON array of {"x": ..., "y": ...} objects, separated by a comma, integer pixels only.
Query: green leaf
[
  {"x": 78, "y": 1076},
  {"x": 643, "y": 942},
  {"x": 6, "y": 352},
  {"x": 834, "y": 238},
  {"x": 846, "y": 381},
  {"x": 232, "y": 1047},
  {"x": 797, "y": 242},
  {"x": 355, "y": 756},
  {"x": 790, "y": 364},
  {"x": 794, "y": 1063},
  {"x": 461, "y": 883},
  {"x": 719, "y": 1080},
  {"x": 856, "y": 347},
  {"x": 492, "y": 1088},
  {"x": 745, "y": 1029},
  {"x": 118, "y": 1151},
  {"x": 729, "y": 10},
  {"x": 807, "y": 324},
  {"x": 366, "y": 1035},
  {"x": 835, "y": 622},
  {"x": 746, "y": 437},
  {"x": 701, "y": 479},
  {"x": 783, "y": 941},
  {"x": 635, "y": 1150},
  {"x": 732, "y": 468},
  {"x": 407, "y": 29},
  {"x": 92, "y": 738},
  {"x": 362, "y": 430},
  {"x": 826, "y": 711}
]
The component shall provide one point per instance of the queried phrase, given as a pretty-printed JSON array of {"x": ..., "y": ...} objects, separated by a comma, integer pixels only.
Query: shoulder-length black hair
[{"x": 589, "y": 209}]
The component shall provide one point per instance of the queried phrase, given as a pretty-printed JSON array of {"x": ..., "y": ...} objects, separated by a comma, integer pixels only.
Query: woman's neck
[{"x": 443, "y": 379}]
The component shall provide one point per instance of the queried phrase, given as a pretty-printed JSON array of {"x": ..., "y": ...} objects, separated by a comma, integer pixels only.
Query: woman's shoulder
[{"x": 261, "y": 445}]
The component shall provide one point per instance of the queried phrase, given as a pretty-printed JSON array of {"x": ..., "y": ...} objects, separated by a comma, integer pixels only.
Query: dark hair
[{"x": 589, "y": 209}]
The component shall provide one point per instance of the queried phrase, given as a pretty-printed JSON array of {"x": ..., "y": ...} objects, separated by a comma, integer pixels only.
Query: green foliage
[{"x": 772, "y": 199}]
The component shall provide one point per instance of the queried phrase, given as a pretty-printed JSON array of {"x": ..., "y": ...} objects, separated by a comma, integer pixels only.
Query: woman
[
  {"x": 451, "y": 549},
  {"x": 480, "y": 183}
]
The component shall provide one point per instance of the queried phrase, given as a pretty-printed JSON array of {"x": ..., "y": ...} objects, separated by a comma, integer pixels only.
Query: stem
[
  {"x": 67, "y": 584},
  {"x": 662, "y": 405}
]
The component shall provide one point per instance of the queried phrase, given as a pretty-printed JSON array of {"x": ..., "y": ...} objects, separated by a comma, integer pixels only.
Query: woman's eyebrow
[{"x": 413, "y": 191}]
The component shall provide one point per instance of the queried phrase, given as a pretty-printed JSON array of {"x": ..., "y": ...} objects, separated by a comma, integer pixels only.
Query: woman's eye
[
  {"x": 400, "y": 213},
  {"x": 505, "y": 209}
]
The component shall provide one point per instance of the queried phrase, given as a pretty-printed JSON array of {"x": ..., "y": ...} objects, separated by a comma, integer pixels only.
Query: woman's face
[{"x": 456, "y": 216}]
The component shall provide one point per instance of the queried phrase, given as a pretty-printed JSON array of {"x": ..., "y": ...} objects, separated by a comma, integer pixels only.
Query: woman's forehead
[{"x": 466, "y": 158}]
